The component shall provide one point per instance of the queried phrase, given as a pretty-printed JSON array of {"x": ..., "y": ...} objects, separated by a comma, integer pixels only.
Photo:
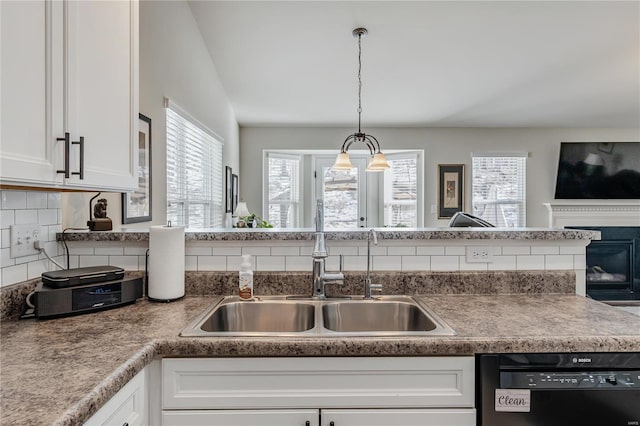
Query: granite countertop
[
  {"x": 61, "y": 371},
  {"x": 308, "y": 234}
]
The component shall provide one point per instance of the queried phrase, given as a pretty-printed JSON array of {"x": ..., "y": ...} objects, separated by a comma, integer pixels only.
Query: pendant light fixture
[{"x": 377, "y": 162}]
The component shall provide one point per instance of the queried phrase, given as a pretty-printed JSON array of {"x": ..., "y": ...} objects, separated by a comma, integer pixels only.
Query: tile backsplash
[{"x": 26, "y": 207}]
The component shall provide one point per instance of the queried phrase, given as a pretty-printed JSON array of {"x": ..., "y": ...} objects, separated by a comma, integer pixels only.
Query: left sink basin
[{"x": 233, "y": 317}]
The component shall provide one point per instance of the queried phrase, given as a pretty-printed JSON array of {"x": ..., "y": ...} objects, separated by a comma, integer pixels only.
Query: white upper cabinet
[{"x": 69, "y": 67}]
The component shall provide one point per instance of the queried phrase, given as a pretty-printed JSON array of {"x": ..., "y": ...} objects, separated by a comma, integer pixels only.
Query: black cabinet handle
[
  {"x": 307, "y": 423},
  {"x": 125, "y": 424},
  {"x": 67, "y": 148},
  {"x": 332, "y": 424},
  {"x": 81, "y": 143}
]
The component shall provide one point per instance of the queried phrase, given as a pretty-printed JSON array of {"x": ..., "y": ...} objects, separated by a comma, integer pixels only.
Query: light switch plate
[
  {"x": 22, "y": 239},
  {"x": 479, "y": 254}
]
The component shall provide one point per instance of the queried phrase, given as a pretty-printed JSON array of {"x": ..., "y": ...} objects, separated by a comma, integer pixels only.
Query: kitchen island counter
[{"x": 62, "y": 371}]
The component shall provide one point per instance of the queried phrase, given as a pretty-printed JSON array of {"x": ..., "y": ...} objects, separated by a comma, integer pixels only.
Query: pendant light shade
[{"x": 378, "y": 162}]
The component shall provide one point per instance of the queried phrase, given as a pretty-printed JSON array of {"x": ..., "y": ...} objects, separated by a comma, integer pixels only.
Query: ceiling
[{"x": 428, "y": 63}]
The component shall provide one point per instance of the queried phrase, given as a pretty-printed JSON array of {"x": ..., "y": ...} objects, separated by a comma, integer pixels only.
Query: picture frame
[
  {"x": 234, "y": 192},
  {"x": 450, "y": 190},
  {"x": 228, "y": 189},
  {"x": 136, "y": 205}
]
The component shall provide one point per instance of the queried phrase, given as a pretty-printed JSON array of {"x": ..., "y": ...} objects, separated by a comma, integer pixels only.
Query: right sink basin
[{"x": 385, "y": 315}]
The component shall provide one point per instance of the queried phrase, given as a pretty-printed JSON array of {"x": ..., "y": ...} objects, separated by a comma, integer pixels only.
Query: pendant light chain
[{"x": 359, "y": 81}]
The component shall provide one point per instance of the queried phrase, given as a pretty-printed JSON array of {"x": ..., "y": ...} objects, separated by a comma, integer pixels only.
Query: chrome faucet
[
  {"x": 321, "y": 277},
  {"x": 367, "y": 281}
]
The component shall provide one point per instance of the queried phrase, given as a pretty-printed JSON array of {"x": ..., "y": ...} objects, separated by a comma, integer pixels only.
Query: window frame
[{"x": 267, "y": 154}]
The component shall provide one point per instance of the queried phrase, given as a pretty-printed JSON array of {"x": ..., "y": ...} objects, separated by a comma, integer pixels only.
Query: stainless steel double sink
[{"x": 283, "y": 316}]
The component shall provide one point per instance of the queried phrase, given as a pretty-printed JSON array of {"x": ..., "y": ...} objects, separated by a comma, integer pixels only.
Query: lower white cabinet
[
  {"x": 128, "y": 407},
  {"x": 402, "y": 391}
]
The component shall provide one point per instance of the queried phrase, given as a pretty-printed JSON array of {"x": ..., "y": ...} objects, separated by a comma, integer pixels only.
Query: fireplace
[{"x": 613, "y": 263}]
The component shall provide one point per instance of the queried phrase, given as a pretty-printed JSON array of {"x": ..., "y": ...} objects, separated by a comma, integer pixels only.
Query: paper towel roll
[{"x": 166, "y": 262}]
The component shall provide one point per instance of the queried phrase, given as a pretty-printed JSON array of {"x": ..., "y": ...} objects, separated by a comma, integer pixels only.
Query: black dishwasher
[{"x": 558, "y": 389}]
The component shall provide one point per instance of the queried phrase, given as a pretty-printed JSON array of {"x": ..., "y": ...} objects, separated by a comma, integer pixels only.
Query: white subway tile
[
  {"x": 430, "y": 251},
  {"x": 137, "y": 251},
  {"x": 47, "y": 216},
  {"x": 270, "y": 263},
  {"x": 74, "y": 261},
  {"x": 212, "y": 263},
  {"x": 545, "y": 250},
  {"x": 52, "y": 230},
  {"x": 93, "y": 261},
  {"x": 24, "y": 217},
  {"x": 572, "y": 249},
  {"x": 7, "y": 218},
  {"x": 35, "y": 269},
  {"x": 558, "y": 261},
  {"x": 580, "y": 261},
  {"x": 128, "y": 263},
  {"x": 524, "y": 263},
  {"x": 332, "y": 263},
  {"x": 256, "y": 251},
  {"x": 5, "y": 258},
  {"x": 54, "y": 200},
  {"x": 306, "y": 250},
  {"x": 375, "y": 250},
  {"x": 36, "y": 200},
  {"x": 51, "y": 247},
  {"x": 227, "y": 251},
  {"x": 343, "y": 250},
  {"x": 80, "y": 249},
  {"x": 14, "y": 274},
  {"x": 5, "y": 238},
  {"x": 190, "y": 263},
  {"x": 517, "y": 250},
  {"x": 233, "y": 263},
  {"x": 416, "y": 263},
  {"x": 298, "y": 263},
  {"x": 445, "y": 263},
  {"x": 401, "y": 251},
  {"x": 497, "y": 250},
  {"x": 355, "y": 263},
  {"x": 502, "y": 263},
  {"x": 108, "y": 251},
  {"x": 473, "y": 266},
  {"x": 386, "y": 263},
  {"x": 190, "y": 250},
  {"x": 27, "y": 259},
  {"x": 285, "y": 251},
  {"x": 455, "y": 250},
  {"x": 12, "y": 200}
]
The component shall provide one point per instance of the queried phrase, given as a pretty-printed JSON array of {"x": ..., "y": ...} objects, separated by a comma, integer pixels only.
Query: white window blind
[
  {"x": 283, "y": 186},
  {"x": 194, "y": 173},
  {"x": 401, "y": 191},
  {"x": 499, "y": 189}
]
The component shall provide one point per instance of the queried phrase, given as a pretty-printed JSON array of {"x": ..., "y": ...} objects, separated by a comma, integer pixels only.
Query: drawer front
[
  {"x": 210, "y": 383},
  {"x": 241, "y": 418},
  {"x": 400, "y": 416},
  {"x": 128, "y": 406}
]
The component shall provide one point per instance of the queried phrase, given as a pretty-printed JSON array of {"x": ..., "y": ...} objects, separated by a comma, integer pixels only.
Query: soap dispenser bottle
[{"x": 246, "y": 279}]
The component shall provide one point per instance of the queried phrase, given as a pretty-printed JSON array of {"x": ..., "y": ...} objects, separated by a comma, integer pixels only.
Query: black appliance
[
  {"x": 598, "y": 170},
  {"x": 80, "y": 276},
  {"x": 613, "y": 263},
  {"x": 464, "y": 220},
  {"x": 569, "y": 389},
  {"x": 80, "y": 299}
]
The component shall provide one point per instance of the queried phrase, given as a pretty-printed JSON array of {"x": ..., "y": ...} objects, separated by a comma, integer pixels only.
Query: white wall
[
  {"x": 441, "y": 145},
  {"x": 174, "y": 63}
]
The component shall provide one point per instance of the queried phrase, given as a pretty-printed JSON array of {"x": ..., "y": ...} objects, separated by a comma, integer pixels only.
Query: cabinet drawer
[
  {"x": 223, "y": 383},
  {"x": 400, "y": 417},
  {"x": 128, "y": 406},
  {"x": 241, "y": 418}
]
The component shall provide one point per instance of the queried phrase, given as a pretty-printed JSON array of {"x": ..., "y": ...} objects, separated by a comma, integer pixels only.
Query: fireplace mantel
[{"x": 593, "y": 213}]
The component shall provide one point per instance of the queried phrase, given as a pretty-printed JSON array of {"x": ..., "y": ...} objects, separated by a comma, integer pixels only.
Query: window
[
  {"x": 283, "y": 190},
  {"x": 499, "y": 189},
  {"x": 194, "y": 172},
  {"x": 401, "y": 191}
]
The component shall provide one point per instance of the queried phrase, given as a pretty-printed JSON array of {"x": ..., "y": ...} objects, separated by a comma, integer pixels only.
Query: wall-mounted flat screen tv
[{"x": 598, "y": 170}]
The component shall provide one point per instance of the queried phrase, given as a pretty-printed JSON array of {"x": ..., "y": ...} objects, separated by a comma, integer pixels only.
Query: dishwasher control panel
[{"x": 570, "y": 380}]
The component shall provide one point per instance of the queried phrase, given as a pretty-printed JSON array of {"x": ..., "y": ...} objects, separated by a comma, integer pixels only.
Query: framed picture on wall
[
  {"x": 450, "y": 190},
  {"x": 228, "y": 189},
  {"x": 234, "y": 191},
  {"x": 136, "y": 205}
]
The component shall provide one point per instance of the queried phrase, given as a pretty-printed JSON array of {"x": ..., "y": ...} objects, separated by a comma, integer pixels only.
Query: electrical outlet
[
  {"x": 22, "y": 239},
  {"x": 479, "y": 254}
]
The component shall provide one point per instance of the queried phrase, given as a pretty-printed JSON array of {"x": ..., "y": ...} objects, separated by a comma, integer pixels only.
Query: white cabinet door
[
  {"x": 102, "y": 92},
  {"x": 127, "y": 407},
  {"x": 31, "y": 92},
  {"x": 241, "y": 418},
  {"x": 399, "y": 417}
]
